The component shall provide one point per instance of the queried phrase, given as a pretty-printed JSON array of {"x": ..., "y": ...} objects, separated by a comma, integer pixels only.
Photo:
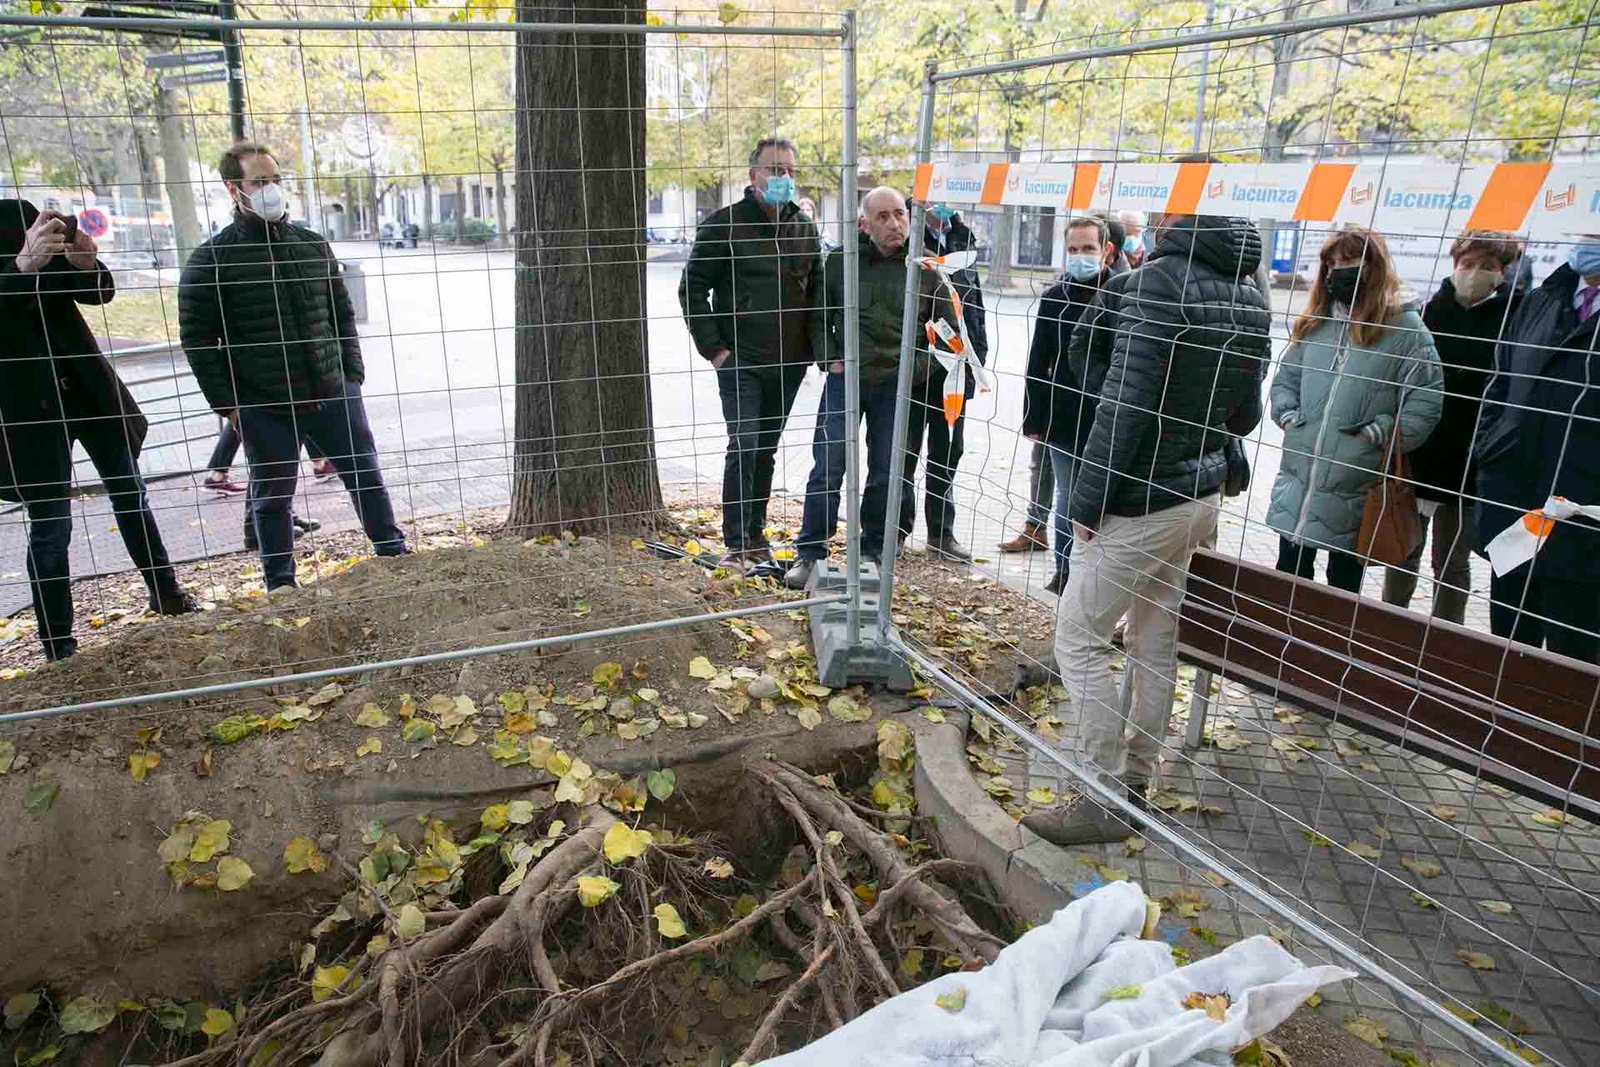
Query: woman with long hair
[{"x": 1360, "y": 376}]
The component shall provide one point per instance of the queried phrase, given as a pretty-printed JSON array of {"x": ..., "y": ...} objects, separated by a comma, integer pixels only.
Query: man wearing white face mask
[
  {"x": 748, "y": 292},
  {"x": 271, "y": 336},
  {"x": 1466, "y": 317}
]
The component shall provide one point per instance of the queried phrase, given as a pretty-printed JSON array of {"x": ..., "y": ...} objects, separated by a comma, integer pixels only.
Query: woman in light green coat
[{"x": 1360, "y": 368}]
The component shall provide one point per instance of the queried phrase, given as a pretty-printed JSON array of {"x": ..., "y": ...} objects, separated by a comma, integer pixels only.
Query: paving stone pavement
[{"x": 1287, "y": 820}]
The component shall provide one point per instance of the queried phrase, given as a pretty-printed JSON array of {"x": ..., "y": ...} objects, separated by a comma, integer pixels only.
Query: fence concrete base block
[
  {"x": 840, "y": 663},
  {"x": 1030, "y": 875}
]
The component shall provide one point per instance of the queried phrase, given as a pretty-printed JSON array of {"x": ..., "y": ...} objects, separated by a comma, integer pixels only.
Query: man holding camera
[{"x": 59, "y": 390}]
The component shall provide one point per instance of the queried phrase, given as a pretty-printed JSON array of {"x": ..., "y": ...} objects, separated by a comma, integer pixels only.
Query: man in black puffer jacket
[
  {"x": 1189, "y": 347},
  {"x": 1057, "y": 412},
  {"x": 271, "y": 336}
]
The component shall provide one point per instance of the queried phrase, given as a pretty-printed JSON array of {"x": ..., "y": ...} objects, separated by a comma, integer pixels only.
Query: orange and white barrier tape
[
  {"x": 1521, "y": 541},
  {"x": 1539, "y": 200},
  {"x": 950, "y": 345}
]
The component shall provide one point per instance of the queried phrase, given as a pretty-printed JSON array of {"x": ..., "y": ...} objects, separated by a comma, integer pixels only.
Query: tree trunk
[
  {"x": 500, "y": 205},
  {"x": 1005, "y": 227},
  {"x": 461, "y": 209},
  {"x": 352, "y": 210},
  {"x": 175, "y": 160},
  {"x": 427, "y": 207},
  {"x": 584, "y": 458}
]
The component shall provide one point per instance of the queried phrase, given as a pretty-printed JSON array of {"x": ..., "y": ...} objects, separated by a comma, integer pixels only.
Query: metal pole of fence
[
  {"x": 852, "y": 342},
  {"x": 902, "y": 392},
  {"x": 1237, "y": 33},
  {"x": 100, "y": 22},
  {"x": 1151, "y": 826},
  {"x": 222, "y": 688}
]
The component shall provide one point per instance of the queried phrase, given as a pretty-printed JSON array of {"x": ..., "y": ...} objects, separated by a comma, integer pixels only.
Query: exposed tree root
[{"x": 554, "y": 981}]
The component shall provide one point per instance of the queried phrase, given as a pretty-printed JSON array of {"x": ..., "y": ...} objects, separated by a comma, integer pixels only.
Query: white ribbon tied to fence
[{"x": 1521, "y": 541}]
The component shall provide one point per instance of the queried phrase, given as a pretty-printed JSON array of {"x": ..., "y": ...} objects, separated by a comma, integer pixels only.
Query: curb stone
[{"x": 1030, "y": 874}]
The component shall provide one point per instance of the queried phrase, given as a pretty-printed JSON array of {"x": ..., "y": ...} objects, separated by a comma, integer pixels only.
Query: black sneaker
[
  {"x": 1056, "y": 584},
  {"x": 305, "y": 526}
]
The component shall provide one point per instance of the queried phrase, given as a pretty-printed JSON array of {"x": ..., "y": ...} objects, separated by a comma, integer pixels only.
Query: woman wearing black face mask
[{"x": 1360, "y": 368}]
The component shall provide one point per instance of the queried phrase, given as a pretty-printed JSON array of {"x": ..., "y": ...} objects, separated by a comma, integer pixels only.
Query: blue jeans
[
  {"x": 821, "y": 516},
  {"x": 339, "y": 428},
  {"x": 1063, "y": 466}
]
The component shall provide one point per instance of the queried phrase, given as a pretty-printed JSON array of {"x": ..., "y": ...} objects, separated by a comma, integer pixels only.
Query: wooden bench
[{"x": 1520, "y": 716}]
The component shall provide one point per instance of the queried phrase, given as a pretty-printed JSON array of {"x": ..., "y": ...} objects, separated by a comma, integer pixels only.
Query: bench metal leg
[{"x": 1199, "y": 706}]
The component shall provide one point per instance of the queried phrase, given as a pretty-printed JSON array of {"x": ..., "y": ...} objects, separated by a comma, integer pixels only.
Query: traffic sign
[
  {"x": 164, "y": 60},
  {"x": 194, "y": 77},
  {"x": 93, "y": 222}
]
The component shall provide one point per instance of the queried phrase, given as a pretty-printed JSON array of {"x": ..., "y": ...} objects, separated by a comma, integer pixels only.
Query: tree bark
[
  {"x": 175, "y": 161},
  {"x": 584, "y": 458},
  {"x": 461, "y": 209}
]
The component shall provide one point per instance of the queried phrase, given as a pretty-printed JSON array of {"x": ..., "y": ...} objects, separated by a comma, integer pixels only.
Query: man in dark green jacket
[
  {"x": 748, "y": 294},
  {"x": 882, "y": 287},
  {"x": 271, "y": 336}
]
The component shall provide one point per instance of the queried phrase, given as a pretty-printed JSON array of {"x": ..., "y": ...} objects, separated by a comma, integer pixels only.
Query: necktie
[{"x": 1586, "y": 307}]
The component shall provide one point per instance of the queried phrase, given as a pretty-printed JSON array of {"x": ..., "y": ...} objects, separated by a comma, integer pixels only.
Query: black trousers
[
  {"x": 756, "y": 399},
  {"x": 49, "y": 509},
  {"x": 945, "y": 444},
  {"x": 1546, "y": 613},
  {"x": 1344, "y": 568}
]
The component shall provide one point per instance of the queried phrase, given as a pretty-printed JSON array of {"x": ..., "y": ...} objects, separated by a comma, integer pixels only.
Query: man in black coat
[
  {"x": 59, "y": 390},
  {"x": 1188, "y": 351},
  {"x": 753, "y": 279},
  {"x": 271, "y": 336},
  {"x": 1466, "y": 317},
  {"x": 1539, "y": 436},
  {"x": 1056, "y": 411}
]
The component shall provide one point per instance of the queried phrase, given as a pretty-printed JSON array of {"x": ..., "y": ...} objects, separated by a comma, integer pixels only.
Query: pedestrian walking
[
  {"x": 881, "y": 277},
  {"x": 270, "y": 334},
  {"x": 748, "y": 295},
  {"x": 1466, "y": 317},
  {"x": 1359, "y": 379},
  {"x": 60, "y": 391},
  {"x": 1538, "y": 437},
  {"x": 1184, "y": 376}
]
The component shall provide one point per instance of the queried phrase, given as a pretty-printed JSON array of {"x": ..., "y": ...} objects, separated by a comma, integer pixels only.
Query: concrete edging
[{"x": 1030, "y": 874}]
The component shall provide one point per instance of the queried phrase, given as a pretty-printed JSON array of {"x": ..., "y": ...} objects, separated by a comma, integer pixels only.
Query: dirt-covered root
[{"x": 553, "y": 970}]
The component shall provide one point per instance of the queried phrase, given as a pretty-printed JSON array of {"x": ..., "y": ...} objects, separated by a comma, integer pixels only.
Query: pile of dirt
[{"x": 323, "y": 760}]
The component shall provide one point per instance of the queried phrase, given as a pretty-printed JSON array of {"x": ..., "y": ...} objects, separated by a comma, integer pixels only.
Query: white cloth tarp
[{"x": 1043, "y": 1002}]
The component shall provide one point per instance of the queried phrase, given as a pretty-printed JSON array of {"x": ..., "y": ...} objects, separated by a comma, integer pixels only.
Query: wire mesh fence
[
  {"x": 1187, "y": 239},
  {"x": 528, "y": 246},
  {"x": 508, "y": 327}
]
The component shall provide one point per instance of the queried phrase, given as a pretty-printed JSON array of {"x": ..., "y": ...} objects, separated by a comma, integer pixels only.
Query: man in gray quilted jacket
[{"x": 1188, "y": 348}]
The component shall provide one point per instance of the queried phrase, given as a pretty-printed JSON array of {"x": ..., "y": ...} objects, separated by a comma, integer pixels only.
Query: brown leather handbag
[{"x": 1391, "y": 525}]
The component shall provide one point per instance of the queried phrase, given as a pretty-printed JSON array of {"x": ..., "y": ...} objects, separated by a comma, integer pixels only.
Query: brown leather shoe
[{"x": 1031, "y": 539}]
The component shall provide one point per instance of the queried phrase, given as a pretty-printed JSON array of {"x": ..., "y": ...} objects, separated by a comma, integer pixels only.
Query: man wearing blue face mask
[
  {"x": 1056, "y": 410},
  {"x": 754, "y": 275},
  {"x": 1539, "y": 436}
]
